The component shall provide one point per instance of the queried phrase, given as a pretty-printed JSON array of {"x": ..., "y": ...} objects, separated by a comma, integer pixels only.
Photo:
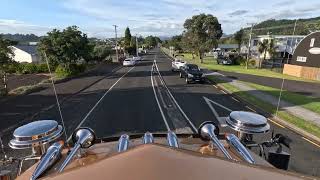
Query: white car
[
  {"x": 129, "y": 62},
  {"x": 177, "y": 64},
  {"x": 137, "y": 58}
]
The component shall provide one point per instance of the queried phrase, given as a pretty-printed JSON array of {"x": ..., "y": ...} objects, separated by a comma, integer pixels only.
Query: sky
[{"x": 143, "y": 17}]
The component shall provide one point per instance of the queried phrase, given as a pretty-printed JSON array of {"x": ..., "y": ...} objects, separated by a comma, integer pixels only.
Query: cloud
[
  {"x": 15, "y": 26},
  {"x": 238, "y": 13},
  {"x": 284, "y": 3}
]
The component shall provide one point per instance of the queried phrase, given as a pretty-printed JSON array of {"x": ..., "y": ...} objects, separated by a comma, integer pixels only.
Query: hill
[
  {"x": 285, "y": 26},
  {"x": 21, "y": 38}
]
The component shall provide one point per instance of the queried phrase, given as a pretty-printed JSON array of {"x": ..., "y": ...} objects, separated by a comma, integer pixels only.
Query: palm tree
[
  {"x": 263, "y": 48},
  {"x": 271, "y": 50}
]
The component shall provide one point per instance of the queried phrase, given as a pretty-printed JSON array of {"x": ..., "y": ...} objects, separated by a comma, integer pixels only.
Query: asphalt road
[{"x": 149, "y": 97}]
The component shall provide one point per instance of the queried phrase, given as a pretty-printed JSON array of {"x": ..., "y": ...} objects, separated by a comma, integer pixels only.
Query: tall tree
[
  {"x": 127, "y": 37},
  {"x": 6, "y": 53},
  {"x": 65, "y": 47},
  {"x": 203, "y": 31},
  {"x": 239, "y": 36}
]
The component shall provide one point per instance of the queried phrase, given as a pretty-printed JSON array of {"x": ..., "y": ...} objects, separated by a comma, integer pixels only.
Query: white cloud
[
  {"x": 14, "y": 26},
  {"x": 162, "y": 17}
]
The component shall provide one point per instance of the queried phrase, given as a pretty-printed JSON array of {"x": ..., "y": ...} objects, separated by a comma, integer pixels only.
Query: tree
[
  {"x": 150, "y": 41},
  {"x": 203, "y": 31},
  {"x": 65, "y": 47},
  {"x": 6, "y": 53},
  {"x": 239, "y": 38},
  {"x": 127, "y": 37},
  {"x": 267, "y": 45}
]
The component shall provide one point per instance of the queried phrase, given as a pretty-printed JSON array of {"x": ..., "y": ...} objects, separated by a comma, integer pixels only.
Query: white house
[
  {"x": 284, "y": 45},
  {"x": 25, "y": 54}
]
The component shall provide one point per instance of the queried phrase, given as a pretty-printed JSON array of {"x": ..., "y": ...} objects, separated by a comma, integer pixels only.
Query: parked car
[
  {"x": 224, "y": 61},
  {"x": 192, "y": 73},
  {"x": 177, "y": 63},
  {"x": 129, "y": 62},
  {"x": 137, "y": 58}
]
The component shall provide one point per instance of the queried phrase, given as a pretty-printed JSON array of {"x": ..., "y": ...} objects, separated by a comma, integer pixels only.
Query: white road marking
[
  {"x": 220, "y": 105},
  {"x": 155, "y": 95},
  {"x": 223, "y": 92},
  {"x": 88, "y": 114},
  {"x": 174, "y": 100},
  {"x": 235, "y": 99},
  {"x": 215, "y": 113},
  {"x": 215, "y": 86}
]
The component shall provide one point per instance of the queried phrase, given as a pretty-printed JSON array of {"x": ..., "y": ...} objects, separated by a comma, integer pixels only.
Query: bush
[
  {"x": 29, "y": 68},
  {"x": 240, "y": 61},
  {"x": 73, "y": 69},
  {"x": 42, "y": 68}
]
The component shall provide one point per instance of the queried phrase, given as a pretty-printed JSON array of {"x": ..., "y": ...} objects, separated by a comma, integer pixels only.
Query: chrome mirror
[
  {"x": 83, "y": 138},
  {"x": 209, "y": 131}
]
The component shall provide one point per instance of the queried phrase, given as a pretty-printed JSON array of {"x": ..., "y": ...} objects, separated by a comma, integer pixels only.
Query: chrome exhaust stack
[
  {"x": 53, "y": 154},
  {"x": 209, "y": 131},
  {"x": 172, "y": 139},
  {"x": 83, "y": 138},
  {"x": 123, "y": 143},
  {"x": 36, "y": 135},
  {"x": 241, "y": 150},
  {"x": 247, "y": 124},
  {"x": 147, "y": 138}
]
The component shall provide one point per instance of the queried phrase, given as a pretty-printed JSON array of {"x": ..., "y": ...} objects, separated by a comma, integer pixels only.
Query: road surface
[{"x": 148, "y": 97}]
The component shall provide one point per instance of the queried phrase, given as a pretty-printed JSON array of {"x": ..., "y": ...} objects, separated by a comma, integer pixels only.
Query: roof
[
  {"x": 228, "y": 46},
  {"x": 27, "y": 48}
]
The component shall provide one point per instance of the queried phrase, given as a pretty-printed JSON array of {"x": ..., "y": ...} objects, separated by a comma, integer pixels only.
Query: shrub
[
  {"x": 73, "y": 69},
  {"x": 29, "y": 68},
  {"x": 42, "y": 68}
]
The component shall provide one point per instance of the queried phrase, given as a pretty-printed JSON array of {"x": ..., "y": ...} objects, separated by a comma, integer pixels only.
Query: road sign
[{"x": 307, "y": 52}]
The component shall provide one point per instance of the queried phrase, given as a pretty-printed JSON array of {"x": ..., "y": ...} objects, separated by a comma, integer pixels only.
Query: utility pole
[
  {"x": 249, "y": 46},
  {"x": 137, "y": 47},
  {"x": 115, "y": 31},
  {"x": 282, "y": 84}
]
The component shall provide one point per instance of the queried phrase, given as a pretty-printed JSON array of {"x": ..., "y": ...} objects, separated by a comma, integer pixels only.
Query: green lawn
[
  {"x": 298, "y": 122},
  {"x": 211, "y": 63},
  {"x": 307, "y": 102}
]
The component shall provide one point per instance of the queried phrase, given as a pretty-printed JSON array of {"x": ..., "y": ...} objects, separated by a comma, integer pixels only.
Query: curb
[{"x": 282, "y": 122}]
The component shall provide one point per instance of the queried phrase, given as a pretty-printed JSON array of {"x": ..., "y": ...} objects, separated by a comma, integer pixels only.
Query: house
[
  {"x": 284, "y": 45},
  {"x": 26, "y": 54},
  {"x": 228, "y": 47}
]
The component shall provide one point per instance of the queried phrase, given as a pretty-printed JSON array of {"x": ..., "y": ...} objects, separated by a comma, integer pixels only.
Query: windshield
[
  {"x": 193, "y": 67},
  {"x": 64, "y": 61}
]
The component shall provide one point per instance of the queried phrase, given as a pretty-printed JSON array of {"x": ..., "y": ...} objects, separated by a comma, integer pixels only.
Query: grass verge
[
  {"x": 296, "y": 121},
  {"x": 311, "y": 103}
]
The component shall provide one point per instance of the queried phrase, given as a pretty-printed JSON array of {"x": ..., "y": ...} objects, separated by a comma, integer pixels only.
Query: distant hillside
[
  {"x": 21, "y": 38},
  {"x": 285, "y": 26}
]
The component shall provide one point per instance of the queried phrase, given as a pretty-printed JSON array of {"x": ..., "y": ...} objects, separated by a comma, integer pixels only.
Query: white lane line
[
  {"x": 223, "y": 92},
  {"x": 311, "y": 142},
  {"x": 235, "y": 99},
  {"x": 174, "y": 100},
  {"x": 215, "y": 86},
  {"x": 215, "y": 113},
  {"x": 220, "y": 105},
  {"x": 88, "y": 114},
  {"x": 155, "y": 95}
]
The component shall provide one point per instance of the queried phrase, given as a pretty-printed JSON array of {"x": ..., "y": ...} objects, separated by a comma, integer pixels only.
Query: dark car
[
  {"x": 192, "y": 73},
  {"x": 224, "y": 61}
]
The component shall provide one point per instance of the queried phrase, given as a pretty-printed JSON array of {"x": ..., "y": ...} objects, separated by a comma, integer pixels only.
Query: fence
[{"x": 3, "y": 84}]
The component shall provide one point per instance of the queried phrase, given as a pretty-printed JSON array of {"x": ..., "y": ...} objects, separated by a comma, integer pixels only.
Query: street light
[{"x": 249, "y": 44}]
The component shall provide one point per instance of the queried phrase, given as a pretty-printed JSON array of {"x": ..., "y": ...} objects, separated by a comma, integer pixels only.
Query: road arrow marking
[{"x": 222, "y": 120}]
